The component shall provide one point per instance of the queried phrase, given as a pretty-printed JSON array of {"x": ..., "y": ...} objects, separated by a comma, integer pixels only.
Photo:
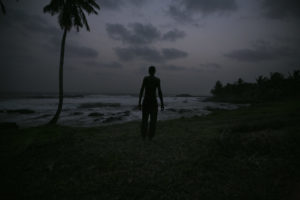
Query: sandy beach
[{"x": 248, "y": 153}]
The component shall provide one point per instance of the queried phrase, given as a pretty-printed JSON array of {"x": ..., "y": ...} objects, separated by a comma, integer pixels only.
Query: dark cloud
[
  {"x": 163, "y": 67},
  {"x": 148, "y": 54},
  {"x": 80, "y": 51},
  {"x": 145, "y": 33},
  {"x": 141, "y": 34},
  {"x": 287, "y": 40},
  {"x": 262, "y": 51},
  {"x": 171, "y": 53},
  {"x": 118, "y": 4},
  {"x": 109, "y": 65},
  {"x": 203, "y": 67},
  {"x": 209, "y": 6},
  {"x": 72, "y": 50},
  {"x": 173, "y": 35},
  {"x": 180, "y": 15},
  {"x": 143, "y": 53},
  {"x": 31, "y": 26},
  {"x": 136, "y": 35},
  {"x": 280, "y": 9},
  {"x": 249, "y": 55},
  {"x": 110, "y": 4},
  {"x": 118, "y": 32},
  {"x": 137, "y": 2},
  {"x": 172, "y": 67},
  {"x": 27, "y": 23},
  {"x": 210, "y": 66},
  {"x": 184, "y": 10}
]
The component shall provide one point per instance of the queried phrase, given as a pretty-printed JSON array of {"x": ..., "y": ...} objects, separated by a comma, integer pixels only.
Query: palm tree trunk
[
  {"x": 61, "y": 73},
  {"x": 2, "y": 7}
]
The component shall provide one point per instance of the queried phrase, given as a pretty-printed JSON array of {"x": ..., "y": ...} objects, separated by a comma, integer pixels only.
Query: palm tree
[{"x": 71, "y": 13}]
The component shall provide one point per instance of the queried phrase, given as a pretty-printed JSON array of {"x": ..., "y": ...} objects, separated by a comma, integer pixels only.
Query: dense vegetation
[{"x": 273, "y": 88}]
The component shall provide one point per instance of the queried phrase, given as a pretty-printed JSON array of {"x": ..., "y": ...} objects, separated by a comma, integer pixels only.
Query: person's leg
[
  {"x": 144, "y": 125},
  {"x": 153, "y": 119}
]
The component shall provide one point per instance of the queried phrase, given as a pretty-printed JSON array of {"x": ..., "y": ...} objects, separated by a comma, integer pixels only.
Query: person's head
[{"x": 152, "y": 70}]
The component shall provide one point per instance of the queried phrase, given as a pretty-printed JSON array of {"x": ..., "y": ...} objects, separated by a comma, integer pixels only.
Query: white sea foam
[{"x": 97, "y": 110}]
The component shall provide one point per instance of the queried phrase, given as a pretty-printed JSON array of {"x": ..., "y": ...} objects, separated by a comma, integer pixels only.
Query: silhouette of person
[{"x": 150, "y": 105}]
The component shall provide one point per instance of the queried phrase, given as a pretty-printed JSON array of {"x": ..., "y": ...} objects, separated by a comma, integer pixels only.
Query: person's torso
[{"x": 151, "y": 83}]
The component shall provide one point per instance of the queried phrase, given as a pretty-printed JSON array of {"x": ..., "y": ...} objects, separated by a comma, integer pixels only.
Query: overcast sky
[{"x": 192, "y": 43}]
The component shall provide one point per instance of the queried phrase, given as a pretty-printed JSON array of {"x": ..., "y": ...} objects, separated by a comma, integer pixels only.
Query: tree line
[{"x": 273, "y": 88}]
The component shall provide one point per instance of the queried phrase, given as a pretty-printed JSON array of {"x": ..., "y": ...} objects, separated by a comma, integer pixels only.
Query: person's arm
[
  {"x": 141, "y": 94},
  {"x": 162, "y": 106}
]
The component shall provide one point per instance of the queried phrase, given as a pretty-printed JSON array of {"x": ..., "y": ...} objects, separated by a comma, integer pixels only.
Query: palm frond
[
  {"x": 89, "y": 6},
  {"x": 84, "y": 19},
  {"x": 77, "y": 17},
  {"x": 94, "y": 4},
  {"x": 71, "y": 13},
  {"x": 55, "y": 6}
]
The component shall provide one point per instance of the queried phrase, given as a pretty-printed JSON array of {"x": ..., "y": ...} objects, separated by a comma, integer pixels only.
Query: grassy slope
[{"x": 250, "y": 153}]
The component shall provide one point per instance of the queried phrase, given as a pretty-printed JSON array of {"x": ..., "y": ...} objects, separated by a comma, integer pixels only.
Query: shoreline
[{"x": 95, "y": 111}]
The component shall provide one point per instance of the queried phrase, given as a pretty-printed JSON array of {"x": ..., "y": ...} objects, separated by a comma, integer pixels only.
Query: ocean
[{"x": 96, "y": 110}]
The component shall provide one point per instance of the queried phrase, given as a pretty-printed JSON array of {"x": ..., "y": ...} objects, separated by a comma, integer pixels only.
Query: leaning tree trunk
[
  {"x": 61, "y": 89},
  {"x": 2, "y": 7}
]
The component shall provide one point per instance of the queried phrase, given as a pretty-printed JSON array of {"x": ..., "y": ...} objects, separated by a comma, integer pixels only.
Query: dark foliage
[
  {"x": 72, "y": 13},
  {"x": 273, "y": 88}
]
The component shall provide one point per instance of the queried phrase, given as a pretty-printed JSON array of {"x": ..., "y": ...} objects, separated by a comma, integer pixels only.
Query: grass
[{"x": 248, "y": 153}]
